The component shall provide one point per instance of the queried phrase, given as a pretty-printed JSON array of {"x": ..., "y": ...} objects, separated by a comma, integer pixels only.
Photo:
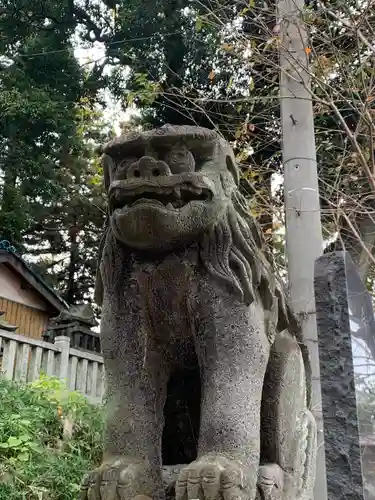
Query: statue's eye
[
  {"x": 180, "y": 160},
  {"x": 123, "y": 167}
]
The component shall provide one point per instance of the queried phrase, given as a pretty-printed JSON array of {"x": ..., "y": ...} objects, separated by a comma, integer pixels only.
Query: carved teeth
[{"x": 173, "y": 197}]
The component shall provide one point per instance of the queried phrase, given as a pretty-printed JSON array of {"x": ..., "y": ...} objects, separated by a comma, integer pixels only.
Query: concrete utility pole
[{"x": 304, "y": 242}]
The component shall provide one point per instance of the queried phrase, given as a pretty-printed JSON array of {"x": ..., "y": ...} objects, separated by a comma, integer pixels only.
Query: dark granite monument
[
  {"x": 207, "y": 374},
  {"x": 340, "y": 296}
]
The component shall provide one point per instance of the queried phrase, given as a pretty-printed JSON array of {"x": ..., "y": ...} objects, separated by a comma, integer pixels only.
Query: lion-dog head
[{"x": 166, "y": 187}]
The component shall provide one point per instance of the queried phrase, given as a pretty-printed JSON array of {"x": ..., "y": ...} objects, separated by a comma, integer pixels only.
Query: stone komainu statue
[{"x": 193, "y": 318}]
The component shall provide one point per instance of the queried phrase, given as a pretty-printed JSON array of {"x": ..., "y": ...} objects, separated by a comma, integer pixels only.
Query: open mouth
[{"x": 170, "y": 198}]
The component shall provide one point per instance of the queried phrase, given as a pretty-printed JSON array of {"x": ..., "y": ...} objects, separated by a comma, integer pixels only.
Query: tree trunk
[
  {"x": 304, "y": 243},
  {"x": 11, "y": 216}
]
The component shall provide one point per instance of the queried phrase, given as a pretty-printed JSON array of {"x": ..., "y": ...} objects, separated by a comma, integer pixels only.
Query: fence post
[{"x": 64, "y": 344}]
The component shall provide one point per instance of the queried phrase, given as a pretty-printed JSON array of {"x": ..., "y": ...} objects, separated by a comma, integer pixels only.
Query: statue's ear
[
  {"x": 107, "y": 164},
  {"x": 233, "y": 169}
]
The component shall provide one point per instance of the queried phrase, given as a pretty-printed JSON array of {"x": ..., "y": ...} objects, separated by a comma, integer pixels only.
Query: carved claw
[
  {"x": 212, "y": 478},
  {"x": 117, "y": 480},
  {"x": 270, "y": 482}
]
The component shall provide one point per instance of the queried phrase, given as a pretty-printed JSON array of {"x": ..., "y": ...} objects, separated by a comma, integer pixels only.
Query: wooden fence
[{"x": 23, "y": 359}]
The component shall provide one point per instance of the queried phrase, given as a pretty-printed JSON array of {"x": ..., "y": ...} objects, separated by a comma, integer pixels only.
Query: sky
[{"x": 113, "y": 111}]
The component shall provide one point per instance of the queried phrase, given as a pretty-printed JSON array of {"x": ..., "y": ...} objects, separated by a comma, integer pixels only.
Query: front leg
[
  {"x": 233, "y": 349},
  {"x": 136, "y": 374}
]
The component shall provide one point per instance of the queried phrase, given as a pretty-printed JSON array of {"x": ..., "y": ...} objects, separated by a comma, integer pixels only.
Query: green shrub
[{"x": 49, "y": 438}]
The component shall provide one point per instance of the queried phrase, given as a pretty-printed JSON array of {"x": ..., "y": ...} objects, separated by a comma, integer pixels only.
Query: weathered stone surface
[
  {"x": 192, "y": 313},
  {"x": 338, "y": 289}
]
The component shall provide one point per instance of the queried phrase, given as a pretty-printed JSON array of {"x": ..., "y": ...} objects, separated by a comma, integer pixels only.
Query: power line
[{"x": 109, "y": 44}]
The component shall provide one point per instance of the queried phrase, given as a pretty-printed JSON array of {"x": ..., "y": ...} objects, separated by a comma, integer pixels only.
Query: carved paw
[
  {"x": 270, "y": 482},
  {"x": 117, "y": 480},
  {"x": 212, "y": 478}
]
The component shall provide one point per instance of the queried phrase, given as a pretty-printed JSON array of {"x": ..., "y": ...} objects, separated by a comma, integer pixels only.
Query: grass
[{"x": 49, "y": 438}]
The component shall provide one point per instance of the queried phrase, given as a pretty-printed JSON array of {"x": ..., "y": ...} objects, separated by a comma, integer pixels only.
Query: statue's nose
[{"x": 147, "y": 167}]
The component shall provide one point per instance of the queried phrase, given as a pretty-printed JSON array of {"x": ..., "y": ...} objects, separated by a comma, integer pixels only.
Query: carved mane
[{"x": 233, "y": 252}]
